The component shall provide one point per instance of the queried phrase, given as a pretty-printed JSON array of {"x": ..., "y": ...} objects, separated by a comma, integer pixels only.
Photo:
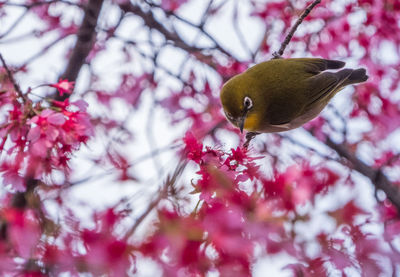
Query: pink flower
[
  {"x": 193, "y": 148},
  {"x": 172, "y": 5},
  {"x": 63, "y": 86},
  {"x": 23, "y": 230}
]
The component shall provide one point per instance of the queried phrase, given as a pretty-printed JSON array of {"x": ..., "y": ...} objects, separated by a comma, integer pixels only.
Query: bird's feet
[
  {"x": 276, "y": 55},
  {"x": 249, "y": 137}
]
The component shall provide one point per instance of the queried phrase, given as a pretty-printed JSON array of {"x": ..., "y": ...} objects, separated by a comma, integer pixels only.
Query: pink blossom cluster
[
  {"x": 37, "y": 139},
  {"x": 240, "y": 208}
]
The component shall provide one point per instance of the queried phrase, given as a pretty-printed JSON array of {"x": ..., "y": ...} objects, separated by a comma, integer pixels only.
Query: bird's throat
[{"x": 252, "y": 122}]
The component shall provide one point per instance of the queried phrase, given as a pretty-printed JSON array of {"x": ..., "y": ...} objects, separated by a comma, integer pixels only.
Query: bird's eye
[{"x": 248, "y": 103}]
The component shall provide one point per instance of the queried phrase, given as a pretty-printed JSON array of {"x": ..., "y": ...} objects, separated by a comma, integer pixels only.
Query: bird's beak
[{"x": 241, "y": 123}]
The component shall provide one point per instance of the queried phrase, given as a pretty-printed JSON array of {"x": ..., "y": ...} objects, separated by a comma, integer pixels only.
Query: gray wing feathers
[{"x": 326, "y": 84}]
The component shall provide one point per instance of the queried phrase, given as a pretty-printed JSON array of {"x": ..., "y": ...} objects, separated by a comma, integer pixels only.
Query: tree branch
[
  {"x": 152, "y": 23},
  {"x": 289, "y": 36},
  {"x": 14, "y": 25},
  {"x": 162, "y": 194},
  {"x": 11, "y": 78},
  {"x": 377, "y": 178},
  {"x": 85, "y": 40}
]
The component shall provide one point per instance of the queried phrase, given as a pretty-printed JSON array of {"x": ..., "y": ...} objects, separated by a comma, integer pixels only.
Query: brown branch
[
  {"x": 163, "y": 193},
  {"x": 239, "y": 33},
  {"x": 377, "y": 178},
  {"x": 199, "y": 26},
  {"x": 14, "y": 24},
  {"x": 139, "y": 160},
  {"x": 289, "y": 36},
  {"x": 172, "y": 36},
  {"x": 43, "y": 50},
  {"x": 11, "y": 78},
  {"x": 85, "y": 40}
]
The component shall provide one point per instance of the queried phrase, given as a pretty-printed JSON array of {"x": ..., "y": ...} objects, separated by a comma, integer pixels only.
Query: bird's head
[{"x": 238, "y": 103}]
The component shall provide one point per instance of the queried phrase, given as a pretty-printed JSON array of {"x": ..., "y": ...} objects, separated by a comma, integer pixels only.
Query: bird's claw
[{"x": 249, "y": 137}]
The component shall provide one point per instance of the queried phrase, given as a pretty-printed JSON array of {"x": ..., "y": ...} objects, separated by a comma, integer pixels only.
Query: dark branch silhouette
[
  {"x": 170, "y": 35},
  {"x": 11, "y": 78},
  {"x": 377, "y": 178},
  {"x": 86, "y": 38}
]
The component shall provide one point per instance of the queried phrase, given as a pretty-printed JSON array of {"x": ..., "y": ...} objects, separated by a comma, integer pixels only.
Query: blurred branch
[
  {"x": 11, "y": 78},
  {"x": 43, "y": 50},
  {"x": 15, "y": 24},
  {"x": 151, "y": 22},
  {"x": 20, "y": 37},
  {"x": 200, "y": 27},
  {"x": 162, "y": 194},
  {"x": 306, "y": 147},
  {"x": 152, "y": 58},
  {"x": 239, "y": 33},
  {"x": 40, "y": 3},
  {"x": 139, "y": 160},
  {"x": 289, "y": 36},
  {"x": 150, "y": 137},
  {"x": 376, "y": 176},
  {"x": 339, "y": 115},
  {"x": 85, "y": 40}
]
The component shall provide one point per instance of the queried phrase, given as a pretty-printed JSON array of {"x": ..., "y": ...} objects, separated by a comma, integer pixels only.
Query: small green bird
[{"x": 283, "y": 94}]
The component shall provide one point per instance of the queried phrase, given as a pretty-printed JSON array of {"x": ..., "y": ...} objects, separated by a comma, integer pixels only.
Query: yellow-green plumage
[{"x": 285, "y": 93}]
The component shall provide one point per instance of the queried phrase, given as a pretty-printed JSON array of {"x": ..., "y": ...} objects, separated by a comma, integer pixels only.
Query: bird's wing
[
  {"x": 295, "y": 97},
  {"x": 324, "y": 86},
  {"x": 315, "y": 65},
  {"x": 284, "y": 107},
  {"x": 321, "y": 88}
]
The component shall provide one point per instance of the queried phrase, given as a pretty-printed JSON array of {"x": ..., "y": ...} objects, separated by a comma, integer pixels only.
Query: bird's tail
[{"x": 356, "y": 76}]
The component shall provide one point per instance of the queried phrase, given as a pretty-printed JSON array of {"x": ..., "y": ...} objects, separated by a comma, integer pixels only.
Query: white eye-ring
[{"x": 247, "y": 102}]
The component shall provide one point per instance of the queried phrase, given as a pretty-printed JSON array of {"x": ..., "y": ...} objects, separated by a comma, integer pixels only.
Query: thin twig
[
  {"x": 200, "y": 26},
  {"x": 170, "y": 35},
  {"x": 150, "y": 137},
  {"x": 239, "y": 33},
  {"x": 15, "y": 24},
  {"x": 342, "y": 119},
  {"x": 150, "y": 57},
  {"x": 139, "y": 160},
  {"x": 163, "y": 193},
  {"x": 35, "y": 4},
  {"x": 11, "y": 78},
  {"x": 306, "y": 147},
  {"x": 22, "y": 36},
  {"x": 44, "y": 50},
  {"x": 289, "y": 36}
]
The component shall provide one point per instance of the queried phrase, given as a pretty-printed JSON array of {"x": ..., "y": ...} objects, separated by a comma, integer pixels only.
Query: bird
[{"x": 283, "y": 94}]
